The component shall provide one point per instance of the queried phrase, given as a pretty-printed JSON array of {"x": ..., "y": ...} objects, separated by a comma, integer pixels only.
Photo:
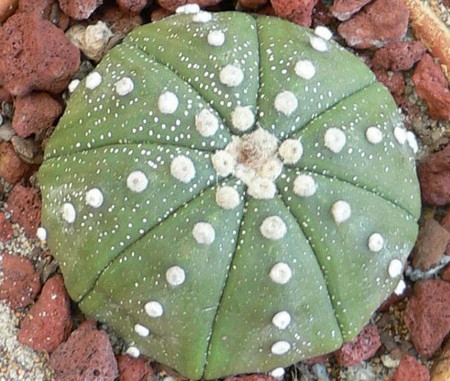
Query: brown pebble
[
  {"x": 79, "y": 9},
  {"x": 7, "y": 8},
  {"x": 25, "y": 206},
  {"x": 114, "y": 18},
  {"x": 12, "y": 167},
  {"x": 134, "y": 369},
  {"x": 441, "y": 366},
  {"x": 132, "y": 7},
  {"x": 6, "y": 231},
  {"x": 410, "y": 369},
  {"x": 398, "y": 56},
  {"x": 344, "y": 9},
  {"x": 446, "y": 224},
  {"x": 297, "y": 11}
]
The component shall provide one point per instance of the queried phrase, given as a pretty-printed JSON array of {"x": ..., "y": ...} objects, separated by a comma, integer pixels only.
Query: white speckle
[
  {"x": 273, "y": 228},
  {"x": 282, "y": 319},
  {"x": 242, "y": 118},
  {"x": 206, "y": 123},
  {"x": 278, "y": 373},
  {"x": 223, "y": 163},
  {"x": 286, "y": 102},
  {"x": 376, "y": 242},
  {"x": 69, "y": 213},
  {"x": 154, "y": 309},
  {"x": 94, "y": 197},
  {"x": 227, "y": 197},
  {"x": 334, "y": 139},
  {"x": 324, "y": 32},
  {"x": 202, "y": 17},
  {"x": 341, "y": 211},
  {"x": 137, "y": 181},
  {"x": 188, "y": 9},
  {"x": 167, "y": 102},
  {"x": 175, "y": 276},
  {"x": 412, "y": 141},
  {"x": 124, "y": 86},
  {"x": 41, "y": 233},
  {"x": 374, "y": 135},
  {"x": 304, "y": 186},
  {"x": 280, "y": 347},
  {"x": 280, "y": 273},
  {"x": 133, "y": 352},
  {"x": 231, "y": 75},
  {"x": 291, "y": 150},
  {"x": 401, "y": 287},
  {"x": 400, "y": 134},
  {"x": 182, "y": 168},
  {"x": 204, "y": 233},
  {"x": 305, "y": 69},
  {"x": 395, "y": 268},
  {"x": 216, "y": 38},
  {"x": 73, "y": 85},
  {"x": 318, "y": 43},
  {"x": 261, "y": 188},
  {"x": 141, "y": 330},
  {"x": 93, "y": 80}
]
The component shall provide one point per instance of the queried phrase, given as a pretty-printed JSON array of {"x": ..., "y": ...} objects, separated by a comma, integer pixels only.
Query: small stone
[
  {"x": 12, "y": 167},
  {"x": 25, "y": 206},
  {"x": 410, "y": 369},
  {"x": 297, "y": 11},
  {"x": 132, "y": 7},
  {"x": 79, "y": 9},
  {"x": 398, "y": 56},
  {"x": 6, "y": 231},
  {"x": 394, "y": 81},
  {"x": 134, "y": 369},
  {"x": 441, "y": 367},
  {"x": 344, "y": 9}
]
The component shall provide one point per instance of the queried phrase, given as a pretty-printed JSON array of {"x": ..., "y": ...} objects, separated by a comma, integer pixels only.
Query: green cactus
[{"x": 230, "y": 194}]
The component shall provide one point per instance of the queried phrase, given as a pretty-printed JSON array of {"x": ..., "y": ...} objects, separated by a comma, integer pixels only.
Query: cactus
[{"x": 230, "y": 194}]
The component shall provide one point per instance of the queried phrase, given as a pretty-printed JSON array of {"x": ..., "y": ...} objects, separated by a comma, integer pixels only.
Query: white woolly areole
[
  {"x": 137, "y": 181},
  {"x": 374, "y": 135},
  {"x": 153, "y": 309},
  {"x": 286, "y": 102},
  {"x": 304, "y": 186},
  {"x": 94, "y": 197},
  {"x": 133, "y": 352},
  {"x": 271, "y": 169},
  {"x": 227, "y": 197},
  {"x": 334, "y": 139},
  {"x": 412, "y": 141},
  {"x": 223, "y": 163},
  {"x": 141, "y": 330},
  {"x": 182, "y": 168},
  {"x": 280, "y": 347},
  {"x": 395, "y": 268},
  {"x": 261, "y": 188},
  {"x": 278, "y": 373},
  {"x": 202, "y": 17},
  {"x": 69, "y": 213},
  {"x": 175, "y": 276},
  {"x": 93, "y": 80},
  {"x": 167, "y": 102},
  {"x": 206, "y": 123},
  {"x": 341, "y": 211},
  {"x": 281, "y": 319},
  {"x": 401, "y": 287},
  {"x": 231, "y": 75},
  {"x": 216, "y": 38},
  {"x": 291, "y": 150},
  {"x": 280, "y": 273},
  {"x": 242, "y": 118},
  {"x": 73, "y": 85},
  {"x": 124, "y": 86},
  {"x": 375, "y": 242},
  {"x": 41, "y": 233},
  {"x": 400, "y": 134},
  {"x": 188, "y": 9},
  {"x": 273, "y": 228},
  {"x": 318, "y": 43},
  {"x": 324, "y": 32},
  {"x": 204, "y": 233},
  {"x": 305, "y": 69}
]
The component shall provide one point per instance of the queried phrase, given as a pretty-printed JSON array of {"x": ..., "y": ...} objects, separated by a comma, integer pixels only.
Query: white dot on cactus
[
  {"x": 182, "y": 168},
  {"x": 261, "y": 188},
  {"x": 305, "y": 186},
  {"x": 73, "y": 85},
  {"x": 206, "y": 123},
  {"x": 291, "y": 150},
  {"x": 375, "y": 242},
  {"x": 231, "y": 75},
  {"x": 401, "y": 287},
  {"x": 324, "y": 32},
  {"x": 242, "y": 118},
  {"x": 204, "y": 233},
  {"x": 374, "y": 135},
  {"x": 395, "y": 268},
  {"x": 400, "y": 134},
  {"x": 334, "y": 139},
  {"x": 94, "y": 197},
  {"x": 412, "y": 141},
  {"x": 216, "y": 38},
  {"x": 141, "y": 330},
  {"x": 227, "y": 197},
  {"x": 153, "y": 309},
  {"x": 305, "y": 69},
  {"x": 223, "y": 163},
  {"x": 202, "y": 17},
  {"x": 124, "y": 86},
  {"x": 318, "y": 43},
  {"x": 133, "y": 352},
  {"x": 137, "y": 181},
  {"x": 286, "y": 102},
  {"x": 280, "y": 273},
  {"x": 273, "y": 228},
  {"x": 69, "y": 213},
  {"x": 271, "y": 169},
  {"x": 167, "y": 102},
  {"x": 93, "y": 80},
  {"x": 281, "y": 319},
  {"x": 175, "y": 276},
  {"x": 341, "y": 211},
  {"x": 280, "y": 347},
  {"x": 278, "y": 373},
  {"x": 41, "y": 233},
  {"x": 188, "y": 9}
]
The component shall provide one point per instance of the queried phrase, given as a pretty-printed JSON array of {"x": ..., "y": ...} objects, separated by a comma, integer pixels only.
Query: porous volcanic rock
[
  {"x": 79, "y": 9},
  {"x": 12, "y": 167},
  {"x": 134, "y": 369},
  {"x": 410, "y": 369},
  {"x": 344, "y": 9},
  {"x": 297, "y": 11},
  {"x": 25, "y": 206},
  {"x": 6, "y": 231},
  {"x": 398, "y": 56}
]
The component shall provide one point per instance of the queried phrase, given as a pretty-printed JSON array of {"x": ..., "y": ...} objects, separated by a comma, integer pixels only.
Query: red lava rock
[
  {"x": 132, "y": 369},
  {"x": 4, "y": 95},
  {"x": 297, "y": 11},
  {"x": 434, "y": 178},
  {"x": 20, "y": 283},
  {"x": 363, "y": 347},
  {"x": 432, "y": 86},
  {"x": 253, "y": 4},
  {"x": 172, "y": 5},
  {"x": 79, "y": 9},
  {"x": 394, "y": 81},
  {"x": 159, "y": 14},
  {"x": 317, "y": 360},
  {"x": 12, "y": 167},
  {"x": 114, "y": 18},
  {"x": 86, "y": 355},
  {"x": 37, "y": 7},
  {"x": 252, "y": 377},
  {"x": 379, "y": 23},
  {"x": 6, "y": 231},
  {"x": 131, "y": 6},
  {"x": 48, "y": 322},
  {"x": 7, "y": 8},
  {"x": 446, "y": 224},
  {"x": 25, "y": 206},
  {"x": 344, "y": 9},
  {"x": 427, "y": 315},
  {"x": 398, "y": 56},
  {"x": 410, "y": 369},
  {"x": 321, "y": 15},
  {"x": 34, "y": 112},
  {"x": 445, "y": 273}
]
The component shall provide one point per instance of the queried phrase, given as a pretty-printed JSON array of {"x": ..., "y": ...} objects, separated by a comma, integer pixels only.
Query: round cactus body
[{"x": 230, "y": 194}]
